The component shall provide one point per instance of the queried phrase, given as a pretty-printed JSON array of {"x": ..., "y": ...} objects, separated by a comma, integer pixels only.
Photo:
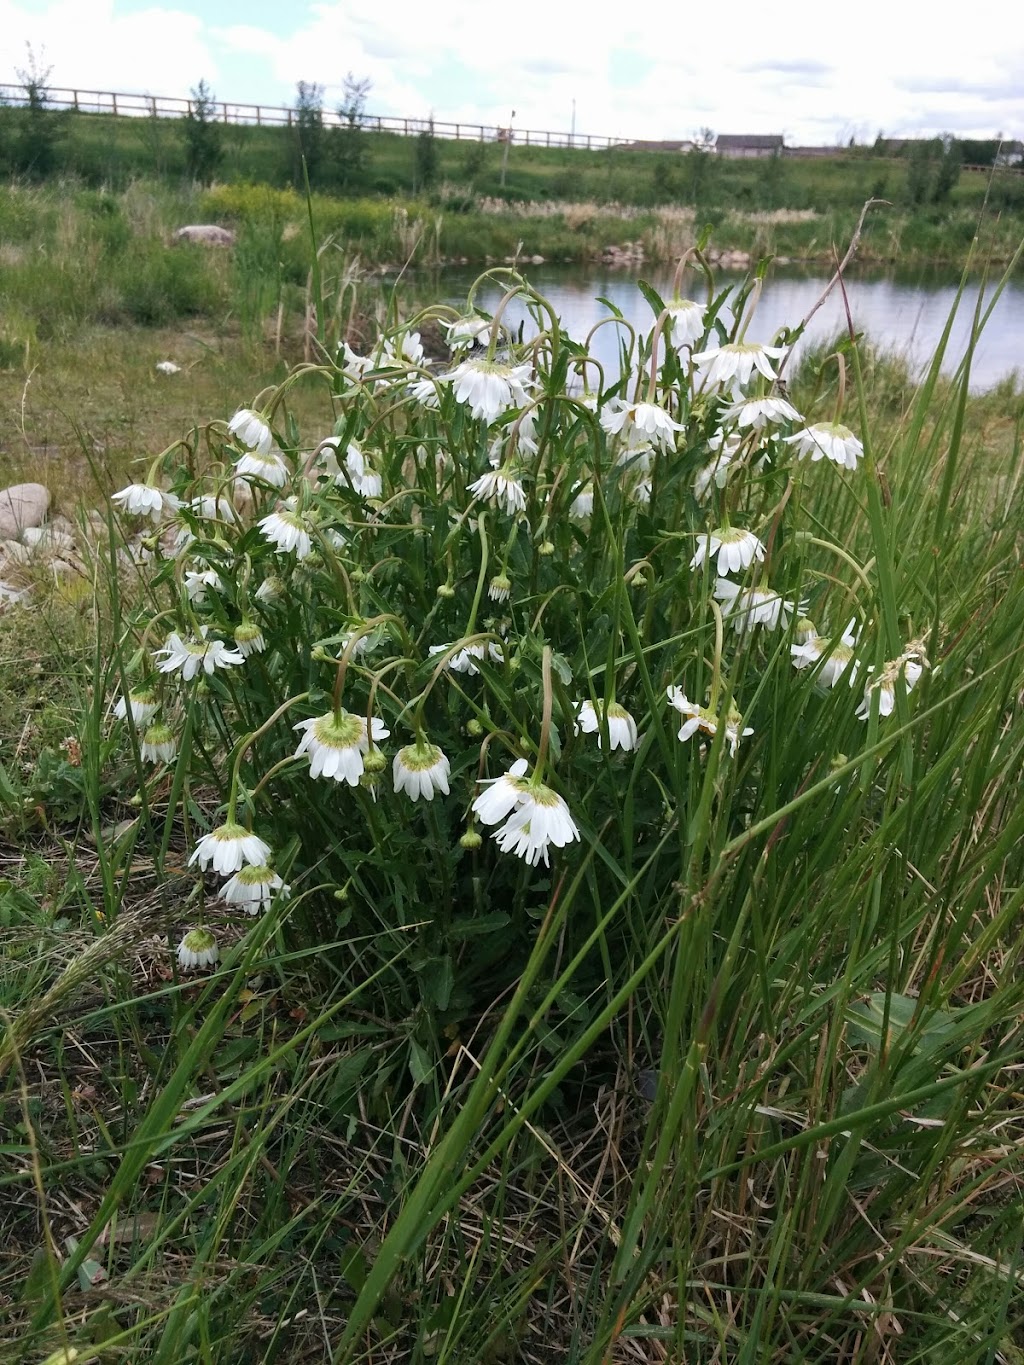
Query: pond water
[{"x": 903, "y": 314}]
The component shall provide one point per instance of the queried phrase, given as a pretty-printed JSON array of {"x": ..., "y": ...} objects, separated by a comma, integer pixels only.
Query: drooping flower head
[
  {"x": 336, "y": 744},
  {"x": 421, "y": 769},
  {"x": 685, "y": 322},
  {"x": 750, "y": 607},
  {"x": 192, "y": 656},
  {"x": 159, "y": 744},
  {"x": 622, "y": 731},
  {"x": 489, "y": 387},
  {"x": 828, "y": 441},
  {"x": 145, "y": 500},
  {"x": 503, "y": 488},
  {"x": 198, "y": 948},
  {"x": 736, "y": 549},
  {"x": 228, "y": 848},
  {"x": 758, "y": 413},
  {"x": 640, "y": 423},
  {"x": 253, "y": 888},
  {"x": 732, "y": 365},
  {"x": 251, "y": 430}
]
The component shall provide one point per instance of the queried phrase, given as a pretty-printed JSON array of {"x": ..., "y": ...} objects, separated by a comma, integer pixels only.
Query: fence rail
[
  {"x": 263, "y": 115},
  {"x": 270, "y": 116}
]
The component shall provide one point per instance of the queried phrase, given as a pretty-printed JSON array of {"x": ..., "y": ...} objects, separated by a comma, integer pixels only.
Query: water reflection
[{"x": 906, "y": 316}]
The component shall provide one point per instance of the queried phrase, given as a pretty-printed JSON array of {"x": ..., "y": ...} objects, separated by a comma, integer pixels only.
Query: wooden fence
[
  {"x": 262, "y": 115},
  {"x": 269, "y": 116}
]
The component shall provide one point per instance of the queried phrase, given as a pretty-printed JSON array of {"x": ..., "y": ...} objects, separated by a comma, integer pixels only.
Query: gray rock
[
  {"x": 21, "y": 506},
  {"x": 206, "y": 234}
]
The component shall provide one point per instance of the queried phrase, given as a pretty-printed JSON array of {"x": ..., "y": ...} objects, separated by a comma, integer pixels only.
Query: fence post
[
  {"x": 258, "y": 116},
  {"x": 113, "y": 101},
  {"x": 75, "y": 93},
  {"x": 225, "y": 108}
]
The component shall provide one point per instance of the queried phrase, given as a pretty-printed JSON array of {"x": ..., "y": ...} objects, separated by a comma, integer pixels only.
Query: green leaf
[{"x": 420, "y": 1065}]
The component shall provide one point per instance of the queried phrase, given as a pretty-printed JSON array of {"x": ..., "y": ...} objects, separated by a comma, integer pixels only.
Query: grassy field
[{"x": 735, "y": 1080}]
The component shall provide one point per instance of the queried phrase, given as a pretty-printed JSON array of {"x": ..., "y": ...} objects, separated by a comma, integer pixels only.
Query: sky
[{"x": 816, "y": 74}]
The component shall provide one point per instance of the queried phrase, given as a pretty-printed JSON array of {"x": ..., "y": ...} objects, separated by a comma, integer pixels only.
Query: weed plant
[{"x": 580, "y": 817}]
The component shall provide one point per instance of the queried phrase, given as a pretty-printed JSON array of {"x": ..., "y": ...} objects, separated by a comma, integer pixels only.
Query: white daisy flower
[
  {"x": 622, "y": 732},
  {"x": 404, "y": 350},
  {"x": 499, "y": 589},
  {"x": 253, "y": 888},
  {"x": 582, "y": 506},
  {"x": 465, "y": 660},
  {"x": 353, "y": 365},
  {"x": 830, "y": 441},
  {"x": 250, "y": 430},
  {"x": 885, "y": 685},
  {"x": 490, "y": 388},
  {"x": 421, "y": 769},
  {"x": 749, "y": 607},
  {"x": 249, "y": 639},
  {"x": 640, "y": 423},
  {"x": 700, "y": 718},
  {"x": 198, "y": 580},
  {"x": 758, "y": 413},
  {"x": 541, "y": 818},
  {"x": 686, "y": 322},
  {"x": 468, "y": 332},
  {"x": 143, "y": 500},
  {"x": 198, "y": 948},
  {"x": 736, "y": 549},
  {"x": 838, "y": 657},
  {"x": 336, "y": 744},
  {"x": 426, "y": 392},
  {"x": 501, "y": 794},
  {"x": 287, "y": 531},
  {"x": 159, "y": 744},
  {"x": 191, "y": 656},
  {"x": 143, "y": 703},
  {"x": 228, "y": 848},
  {"x": 270, "y": 467},
  {"x": 732, "y": 365},
  {"x": 502, "y": 488},
  {"x": 365, "y": 479},
  {"x": 642, "y": 492},
  {"x": 272, "y": 589}
]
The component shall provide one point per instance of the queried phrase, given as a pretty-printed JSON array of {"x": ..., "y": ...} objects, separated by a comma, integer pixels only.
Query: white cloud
[{"x": 889, "y": 68}]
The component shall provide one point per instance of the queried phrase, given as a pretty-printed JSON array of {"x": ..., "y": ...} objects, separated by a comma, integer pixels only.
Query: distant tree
[
  {"x": 35, "y": 129},
  {"x": 662, "y": 180},
  {"x": 919, "y": 174},
  {"x": 349, "y": 152},
  {"x": 978, "y": 151},
  {"x": 425, "y": 172},
  {"x": 701, "y": 174},
  {"x": 203, "y": 149},
  {"x": 947, "y": 171},
  {"x": 308, "y": 127}
]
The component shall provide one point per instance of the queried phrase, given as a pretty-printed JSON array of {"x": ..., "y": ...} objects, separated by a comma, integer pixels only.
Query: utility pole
[{"x": 508, "y": 144}]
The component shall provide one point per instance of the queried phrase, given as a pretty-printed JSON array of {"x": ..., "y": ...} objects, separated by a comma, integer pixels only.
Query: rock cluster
[{"x": 28, "y": 539}]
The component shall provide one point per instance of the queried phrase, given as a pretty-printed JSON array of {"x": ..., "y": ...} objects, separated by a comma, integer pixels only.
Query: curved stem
[{"x": 246, "y": 742}]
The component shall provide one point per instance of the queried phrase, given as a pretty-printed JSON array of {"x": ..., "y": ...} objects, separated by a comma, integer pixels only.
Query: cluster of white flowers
[
  {"x": 465, "y": 449},
  {"x": 535, "y": 817},
  {"x": 243, "y": 858}
]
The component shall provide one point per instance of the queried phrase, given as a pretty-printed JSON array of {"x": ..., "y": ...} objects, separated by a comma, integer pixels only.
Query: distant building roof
[
  {"x": 645, "y": 146},
  {"x": 734, "y": 141}
]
